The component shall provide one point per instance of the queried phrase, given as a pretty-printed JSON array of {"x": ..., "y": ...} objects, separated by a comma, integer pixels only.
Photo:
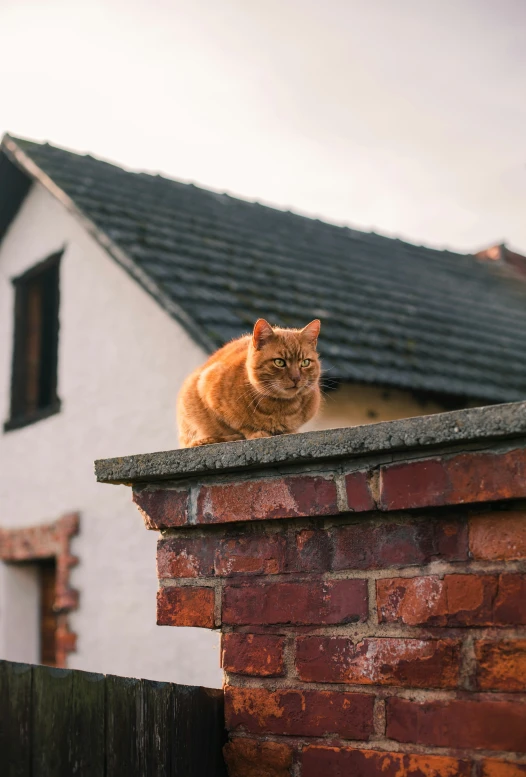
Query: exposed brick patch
[
  {"x": 493, "y": 768},
  {"x": 359, "y": 498},
  {"x": 318, "y": 603},
  {"x": 455, "y": 600},
  {"x": 285, "y": 497},
  {"x": 163, "y": 508},
  {"x": 185, "y": 607},
  {"x": 253, "y": 654},
  {"x": 250, "y": 555},
  {"x": 486, "y": 725},
  {"x": 344, "y": 761},
  {"x": 256, "y": 554},
  {"x": 466, "y": 478},
  {"x": 498, "y": 536},
  {"x": 392, "y": 544},
  {"x": 254, "y": 758},
  {"x": 185, "y": 557},
  {"x": 309, "y": 550},
  {"x": 405, "y": 662},
  {"x": 501, "y": 666},
  {"x": 50, "y": 540},
  {"x": 299, "y": 712}
]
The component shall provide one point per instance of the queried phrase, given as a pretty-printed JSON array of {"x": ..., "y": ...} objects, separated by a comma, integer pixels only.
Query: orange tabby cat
[{"x": 263, "y": 384}]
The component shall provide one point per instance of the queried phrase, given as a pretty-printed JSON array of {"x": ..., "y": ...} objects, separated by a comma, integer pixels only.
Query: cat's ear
[
  {"x": 263, "y": 332},
  {"x": 310, "y": 332}
]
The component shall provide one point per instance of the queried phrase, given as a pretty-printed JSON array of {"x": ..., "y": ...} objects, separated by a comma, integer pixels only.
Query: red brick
[
  {"x": 346, "y": 762},
  {"x": 185, "y": 557},
  {"x": 309, "y": 550},
  {"x": 253, "y": 758},
  {"x": 256, "y": 500},
  {"x": 484, "y": 725},
  {"x": 258, "y": 554},
  {"x": 359, "y": 498},
  {"x": 501, "y": 666},
  {"x": 455, "y": 600},
  {"x": 392, "y": 544},
  {"x": 404, "y": 662},
  {"x": 316, "y": 603},
  {"x": 498, "y": 536},
  {"x": 466, "y": 478},
  {"x": 163, "y": 508},
  {"x": 189, "y": 606},
  {"x": 510, "y": 604},
  {"x": 491, "y": 768},
  {"x": 299, "y": 712},
  {"x": 253, "y": 654}
]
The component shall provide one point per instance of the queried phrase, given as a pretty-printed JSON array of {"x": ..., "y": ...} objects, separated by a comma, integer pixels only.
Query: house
[{"x": 113, "y": 286}]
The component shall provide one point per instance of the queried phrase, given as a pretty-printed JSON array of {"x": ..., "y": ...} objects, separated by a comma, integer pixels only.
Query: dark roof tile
[{"x": 392, "y": 313}]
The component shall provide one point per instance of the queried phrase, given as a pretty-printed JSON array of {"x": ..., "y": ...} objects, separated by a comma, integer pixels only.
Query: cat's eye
[
  {"x": 279, "y": 362},
  {"x": 305, "y": 363}
]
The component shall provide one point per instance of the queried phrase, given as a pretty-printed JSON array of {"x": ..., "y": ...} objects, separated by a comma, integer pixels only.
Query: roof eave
[{"x": 18, "y": 157}]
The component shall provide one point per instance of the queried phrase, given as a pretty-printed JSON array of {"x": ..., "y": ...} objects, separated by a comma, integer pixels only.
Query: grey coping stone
[{"x": 481, "y": 424}]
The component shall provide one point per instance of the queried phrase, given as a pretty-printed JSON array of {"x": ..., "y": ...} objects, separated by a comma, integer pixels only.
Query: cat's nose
[{"x": 295, "y": 378}]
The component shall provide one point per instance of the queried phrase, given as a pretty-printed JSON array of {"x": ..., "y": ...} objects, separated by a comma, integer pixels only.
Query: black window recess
[{"x": 35, "y": 348}]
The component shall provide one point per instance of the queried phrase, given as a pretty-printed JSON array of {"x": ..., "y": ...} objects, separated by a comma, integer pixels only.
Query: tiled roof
[{"x": 392, "y": 313}]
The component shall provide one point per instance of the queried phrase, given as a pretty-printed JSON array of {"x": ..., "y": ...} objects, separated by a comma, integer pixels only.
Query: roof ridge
[{"x": 285, "y": 211}]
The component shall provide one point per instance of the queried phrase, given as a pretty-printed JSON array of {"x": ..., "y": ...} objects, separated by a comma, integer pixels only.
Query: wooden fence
[{"x": 63, "y": 722}]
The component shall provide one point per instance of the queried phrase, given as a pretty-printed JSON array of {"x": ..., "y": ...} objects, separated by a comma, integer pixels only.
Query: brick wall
[{"x": 373, "y": 612}]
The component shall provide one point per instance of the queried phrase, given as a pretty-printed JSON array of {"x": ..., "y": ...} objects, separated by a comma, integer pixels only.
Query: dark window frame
[{"x": 20, "y": 415}]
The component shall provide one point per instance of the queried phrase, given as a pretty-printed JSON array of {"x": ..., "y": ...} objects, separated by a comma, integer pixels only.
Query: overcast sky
[{"x": 407, "y": 117}]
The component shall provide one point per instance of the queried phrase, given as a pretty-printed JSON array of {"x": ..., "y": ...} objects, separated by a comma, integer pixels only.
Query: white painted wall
[
  {"x": 20, "y": 612},
  {"x": 121, "y": 363}
]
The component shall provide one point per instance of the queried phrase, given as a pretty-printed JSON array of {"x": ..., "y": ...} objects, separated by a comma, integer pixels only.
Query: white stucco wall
[
  {"x": 121, "y": 363},
  {"x": 20, "y": 612}
]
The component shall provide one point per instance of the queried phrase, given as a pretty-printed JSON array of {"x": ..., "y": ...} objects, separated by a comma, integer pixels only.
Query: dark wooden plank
[
  {"x": 199, "y": 732},
  {"x": 68, "y": 723},
  {"x": 159, "y": 729},
  {"x": 15, "y": 719},
  {"x": 124, "y": 727}
]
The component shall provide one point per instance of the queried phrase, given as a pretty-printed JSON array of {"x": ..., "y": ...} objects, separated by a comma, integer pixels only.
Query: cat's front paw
[{"x": 257, "y": 435}]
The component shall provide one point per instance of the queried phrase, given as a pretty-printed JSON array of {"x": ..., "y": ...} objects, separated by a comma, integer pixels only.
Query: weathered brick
[
  {"x": 188, "y": 606},
  {"x": 455, "y": 600},
  {"x": 347, "y": 762},
  {"x": 253, "y": 654},
  {"x": 510, "y": 604},
  {"x": 501, "y": 666},
  {"x": 255, "y": 500},
  {"x": 254, "y": 758},
  {"x": 185, "y": 557},
  {"x": 317, "y": 603},
  {"x": 498, "y": 536},
  {"x": 309, "y": 550},
  {"x": 163, "y": 508},
  {"x": 359, "y": 498},
  {"x": 466, "y": 478},
  {"x": 256, "y": 554},
  {"x": 392, "y": 544},
  {"x": 299, "y": 712},
  {"x": 477, "y": 724},
  {"x": 387, "y": 661},
  {"x": 494, "y": 768}
]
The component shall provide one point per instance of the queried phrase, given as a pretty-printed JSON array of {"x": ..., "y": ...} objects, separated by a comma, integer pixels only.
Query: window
[
  {"x": 35, "y": 349},
  {"x": 36, "y": 597}
]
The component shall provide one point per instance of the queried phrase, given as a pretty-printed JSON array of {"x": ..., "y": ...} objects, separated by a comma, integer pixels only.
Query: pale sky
[{"x": 403, "y": 116}]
